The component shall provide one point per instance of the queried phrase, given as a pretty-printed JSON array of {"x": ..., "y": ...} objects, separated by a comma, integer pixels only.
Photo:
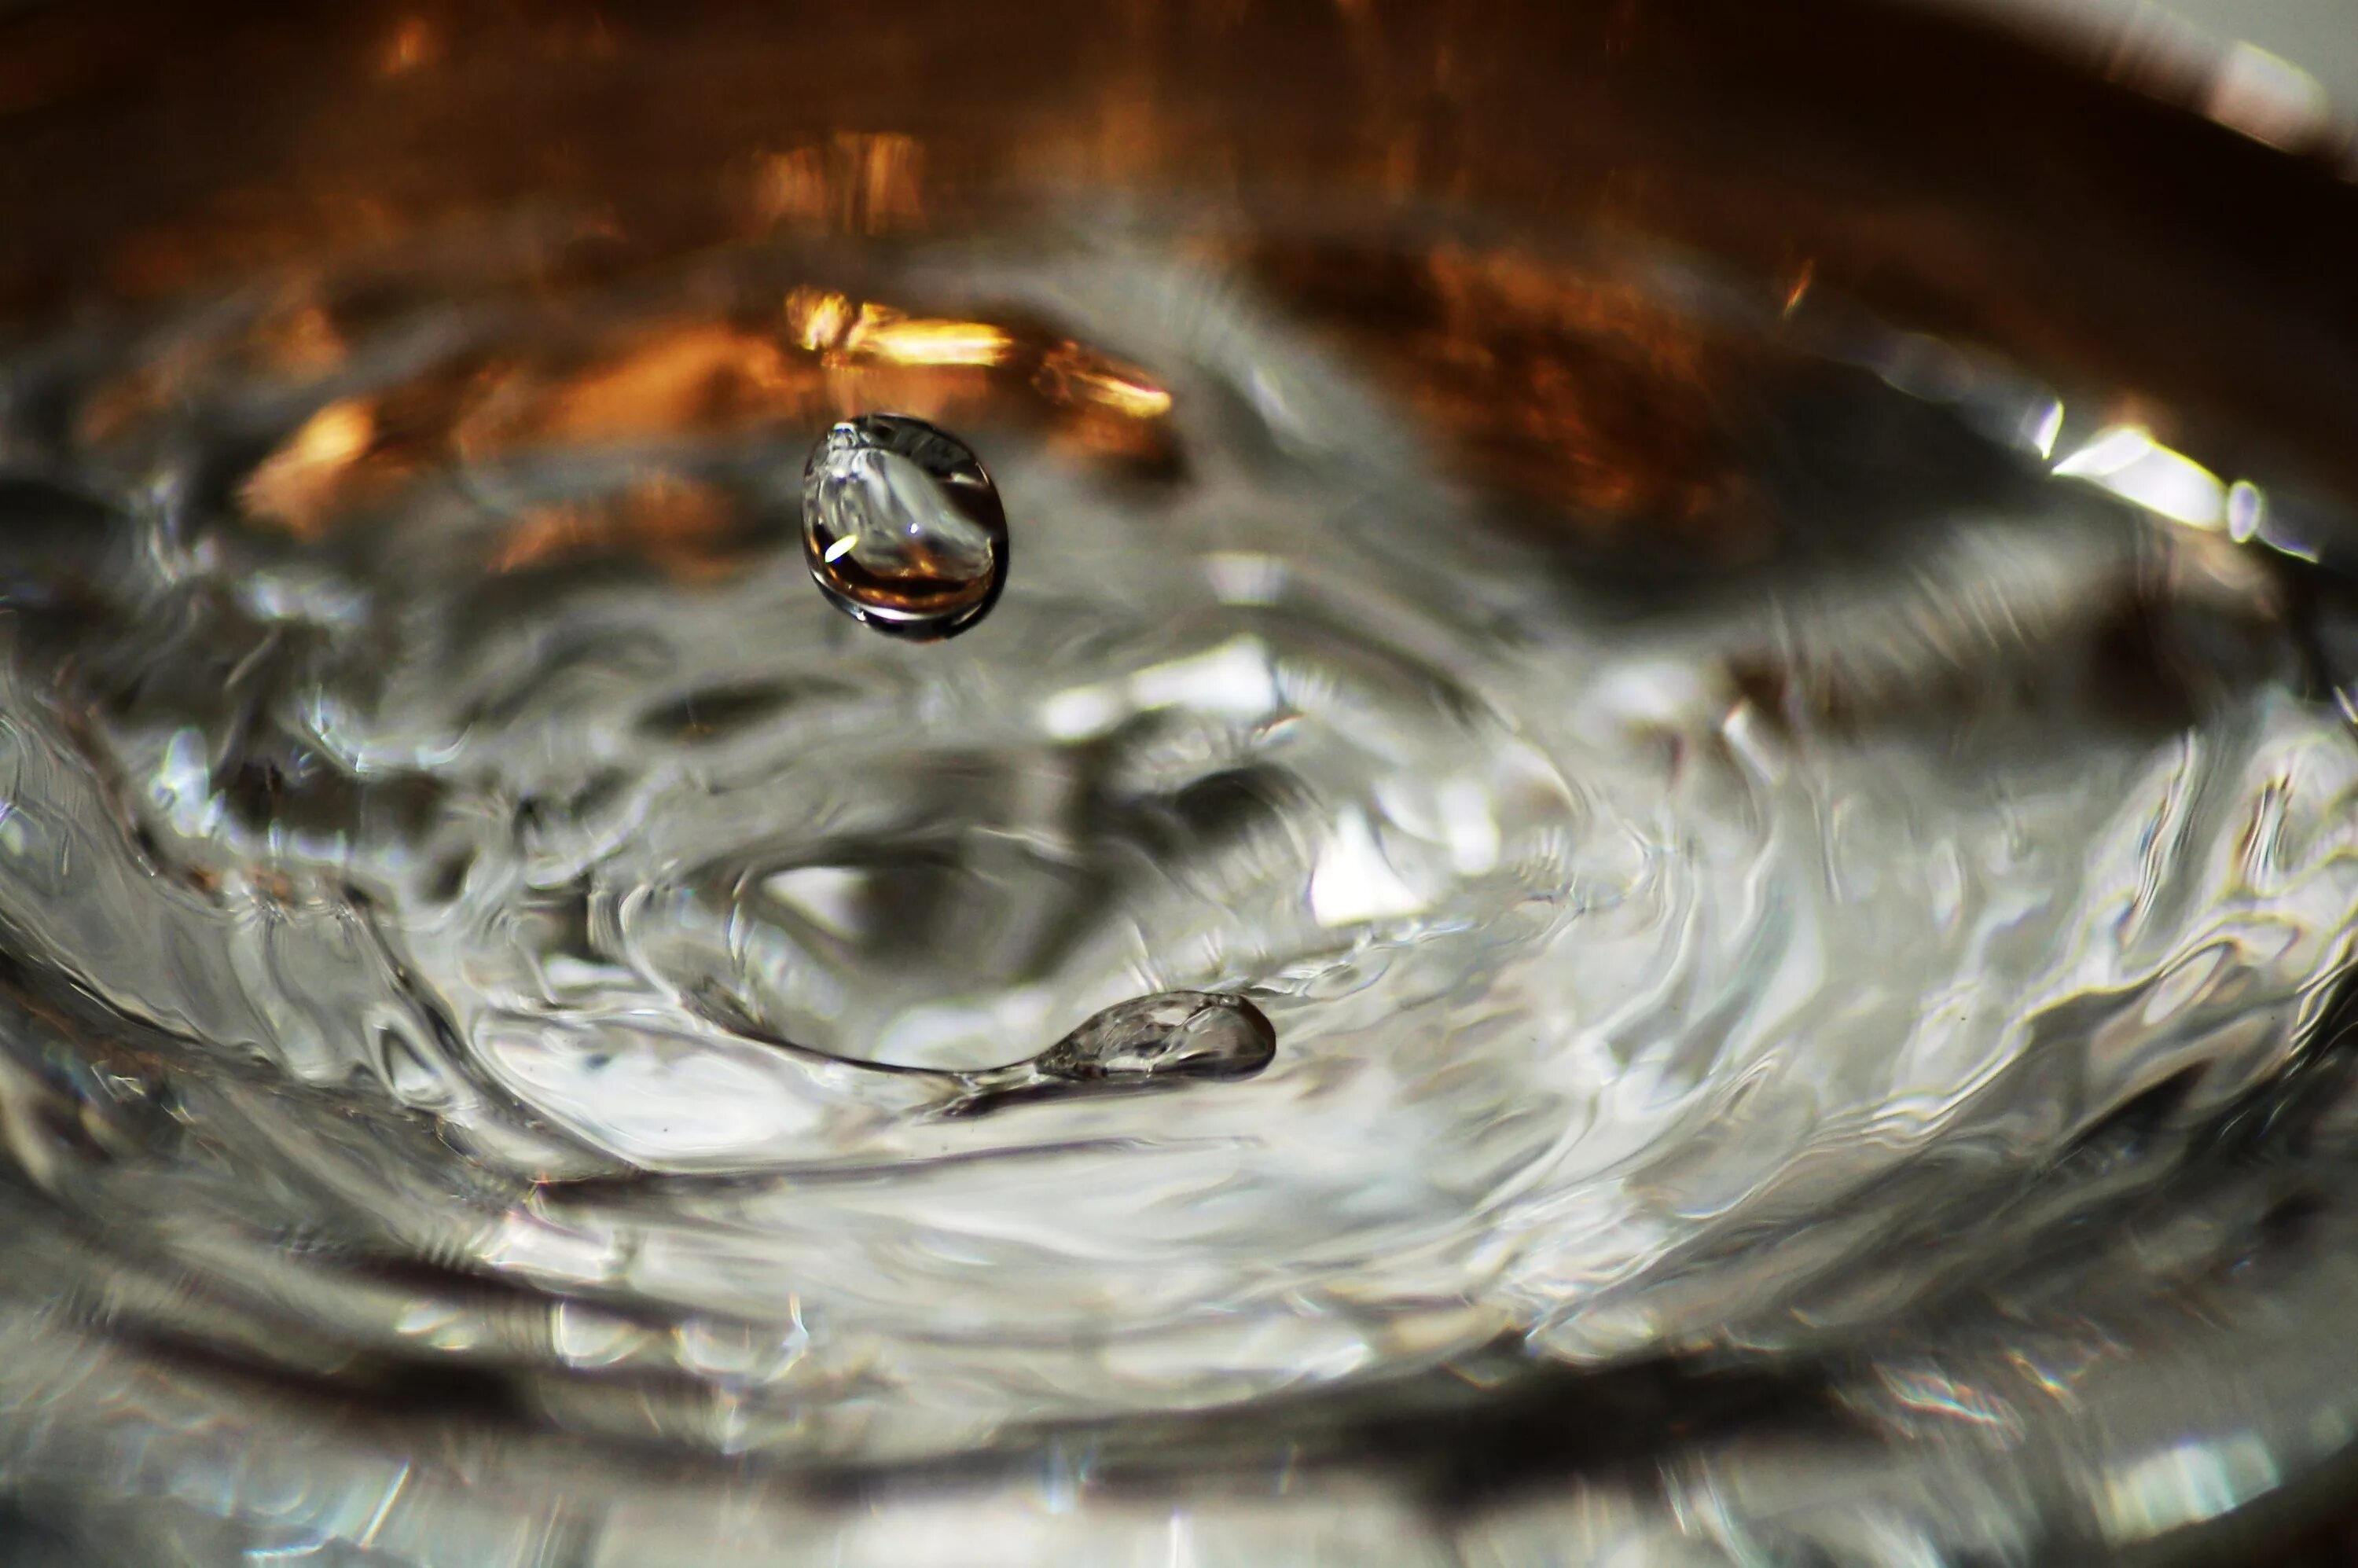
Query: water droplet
[
  {"x": 1150, "y": 1041},
  {"x": 902, "y": 527},
  {"x": 1173, "y": 1034}
]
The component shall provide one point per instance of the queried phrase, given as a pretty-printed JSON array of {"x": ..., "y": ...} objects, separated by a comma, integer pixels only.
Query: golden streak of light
[
  {"x": 1800, "y": 287},
  {"x": 915, "y": 341},
  {"x": 869, "y": 319},
  {"x": 1071, "y": 373},
  {"x": 874, "y": 356},
  {"x": 817, "y": 319},
  {"x": 295, "y": 486}
]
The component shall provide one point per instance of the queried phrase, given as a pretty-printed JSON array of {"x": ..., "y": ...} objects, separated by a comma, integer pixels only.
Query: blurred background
[{"x": 2313, "y": 35}]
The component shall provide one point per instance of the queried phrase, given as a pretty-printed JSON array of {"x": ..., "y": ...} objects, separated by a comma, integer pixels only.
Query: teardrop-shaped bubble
[
  {"x": 1147, "y": 1042},
  {"x": 1171, "y": 1035},
  {"x": 902, "y": 527}
]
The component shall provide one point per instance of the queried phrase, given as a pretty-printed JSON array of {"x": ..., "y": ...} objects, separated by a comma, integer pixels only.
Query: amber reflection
[
  {"x": 648, "y": 387},
  {"x": 1573, "y": 393},
  {"x": 1562, "y": 390},
  {"x": 300, "y": 485},
  {"x": 1569, "y": 390},
  {"x": 415, "y": 44},
  {"x": 850, "y": 184},
  {"x": 679, "y": 379},
  {"x": 2052, "y": 217}
]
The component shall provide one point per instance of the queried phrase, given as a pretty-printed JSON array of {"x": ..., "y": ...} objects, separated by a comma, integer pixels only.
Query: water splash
[
  {"x": 441, "y": 825},
  {"x": 1148, "y": 1042}
]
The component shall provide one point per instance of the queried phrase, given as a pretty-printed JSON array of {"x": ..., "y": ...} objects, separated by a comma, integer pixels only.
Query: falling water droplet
[
  {"x": 902, "y": 527},
  {"x": 1150, "y": 1041}
]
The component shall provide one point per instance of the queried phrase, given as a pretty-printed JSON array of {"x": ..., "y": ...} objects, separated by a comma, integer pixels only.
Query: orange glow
[
  {"x": 906, "y": 341},
  {"x": 298, "y": 341},
  {"x": 694, "y": 376},
  {"x": 679, "y": 379},
  {"x": 816, "y": 319},
  {"x": 872, "y": 357},
  {"x": 854, "y": 184},
  {"x": 1575, "y": 390},
  {"x": 299, "y": 486},
  {"x": 887, "y": 169},
  {"x": 1071, "y": 373},
  {"x": 790, "y": 188},
  {"x": 828, "y": 356},
  {"x": 413, "y": 44},
  {"x": 1800, "y": 289},
  {"x": 544, "y": 534}
]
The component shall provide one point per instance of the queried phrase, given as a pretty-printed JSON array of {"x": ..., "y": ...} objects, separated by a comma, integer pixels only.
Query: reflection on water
[{"x": 1639, "y": 827}]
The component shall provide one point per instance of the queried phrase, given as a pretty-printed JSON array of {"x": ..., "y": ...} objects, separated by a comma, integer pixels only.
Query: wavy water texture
[{"x": 471, "y": 903}]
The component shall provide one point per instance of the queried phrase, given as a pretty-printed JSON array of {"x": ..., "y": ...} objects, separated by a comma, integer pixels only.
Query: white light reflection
[
  {"x": 1241, "y": 577},
  {"x": 2267, "y": 98},
  {"x": 829, "y": 897},
  {"x": 2185, "y": 1485},
  {"x": 1233, "y": 680},
  {"x": 2131, "y": 464},
  {"x": 1354, "y": 882},
  {"x": 2045, "y": 426}
]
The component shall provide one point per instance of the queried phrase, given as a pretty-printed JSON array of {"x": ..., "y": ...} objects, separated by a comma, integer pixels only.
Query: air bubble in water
[{"x": 902, "y": 527}]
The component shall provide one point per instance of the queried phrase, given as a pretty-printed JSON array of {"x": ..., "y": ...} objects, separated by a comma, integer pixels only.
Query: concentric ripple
[{"x": 470, "y": 901}]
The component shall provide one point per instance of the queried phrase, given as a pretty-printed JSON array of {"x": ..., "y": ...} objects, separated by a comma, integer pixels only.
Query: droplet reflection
[{"x": 902, "y": 528}]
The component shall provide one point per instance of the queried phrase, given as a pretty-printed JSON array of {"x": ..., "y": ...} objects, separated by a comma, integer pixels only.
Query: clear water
[{"x": 1735, "y": 838}]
